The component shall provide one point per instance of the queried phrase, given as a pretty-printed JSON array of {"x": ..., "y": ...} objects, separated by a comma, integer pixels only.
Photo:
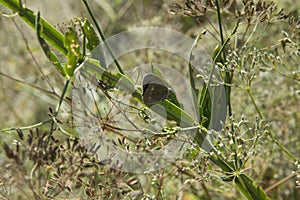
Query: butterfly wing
[{"x": 154, "y": 89}]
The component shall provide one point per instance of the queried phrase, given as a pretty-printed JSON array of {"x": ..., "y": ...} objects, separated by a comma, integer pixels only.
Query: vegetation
[{"x": 252, "y": 45}]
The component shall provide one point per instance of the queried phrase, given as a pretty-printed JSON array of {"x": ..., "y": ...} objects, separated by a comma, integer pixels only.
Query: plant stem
[
  {"x": 254, "y": 103},
  {"x": 102, "y": 36},
  {"x": 227, "y": 75},
  {"x": 269, "y": 131},
  {"x": 214, "y": 62},
  {"x": 26, "y": 127},
  {"x": 62, "y": 96}
]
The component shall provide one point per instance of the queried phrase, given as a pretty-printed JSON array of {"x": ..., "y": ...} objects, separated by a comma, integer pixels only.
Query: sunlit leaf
[
  {"x": 90, "y": 34},
  {"x": 74, "y": 55}
]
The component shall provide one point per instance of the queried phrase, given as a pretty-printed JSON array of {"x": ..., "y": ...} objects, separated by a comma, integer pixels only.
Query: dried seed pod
[{"x": 20, "y": 133}]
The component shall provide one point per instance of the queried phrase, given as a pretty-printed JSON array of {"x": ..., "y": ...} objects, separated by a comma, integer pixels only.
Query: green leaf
[
  {"x": 90, "y": 34},
  {"x": 249, "y": 189},
  {"x": 50, "y": 55},
  {"x": 74, "y": 55},
  {"x": 205, "y": 108},
  {"x": 175, "y": 113},
  {"x": 217, "y": 55},
  {"x": 195, "y": 91}
]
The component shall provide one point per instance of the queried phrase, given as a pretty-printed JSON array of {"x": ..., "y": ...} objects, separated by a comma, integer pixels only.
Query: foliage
[{"x": 56, "y": 165}]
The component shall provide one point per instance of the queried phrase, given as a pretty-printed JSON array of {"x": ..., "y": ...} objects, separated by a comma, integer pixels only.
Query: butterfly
[{"x": 155, "y": 90}]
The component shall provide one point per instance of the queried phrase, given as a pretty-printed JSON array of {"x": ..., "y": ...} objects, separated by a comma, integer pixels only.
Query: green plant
[{"x": 240, "y": 59}]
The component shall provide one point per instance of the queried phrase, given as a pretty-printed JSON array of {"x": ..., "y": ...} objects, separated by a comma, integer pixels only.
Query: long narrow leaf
[
  {"x": 195, "y": 91},
  {"x": 174, "y": 112},
  {"x": 51, "y": 56},
  {"x": 49, "y": 33},
  {"x": 249, "y": 189}
]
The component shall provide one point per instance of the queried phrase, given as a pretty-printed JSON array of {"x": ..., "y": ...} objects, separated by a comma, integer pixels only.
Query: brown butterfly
[{"x": 155, "y": 90}]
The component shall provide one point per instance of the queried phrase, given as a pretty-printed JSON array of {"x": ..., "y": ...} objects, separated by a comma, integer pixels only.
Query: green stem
[
  {"x": 269, "y": 131},
  {"x": 26, "y": 127},
  {"x": 102, "y": 36},
  {"x": 214, "y": 61},
  {"x": 62, "y": 96},
  {"x": 254, "y": 103},
  {"x": 227, "y": 75},
  {"x": 282, "y": 148}
]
